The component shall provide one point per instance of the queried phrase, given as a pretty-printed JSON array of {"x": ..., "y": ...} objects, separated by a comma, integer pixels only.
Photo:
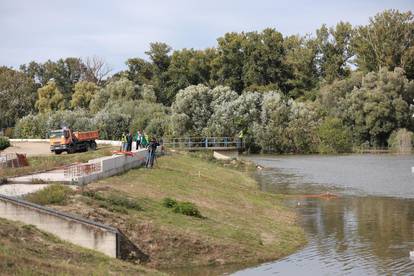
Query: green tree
[
  {"x": 301, "y": 57},
  {"x": 274, "y": 118},
  {"x": 159, "y": 54},
  {"x": 193, "y": 108},
  {"x": 49, "y": 98},
  {"x": 64, "y": 72},
  {"x": 233, "y": 113},
  {"x": 229, "y": 61},
  {"x": 117, "y": 90},
  {"x": 17, "y": 96},
  {"x": 83, "y": 94},
  {"x": 378, "y": 107},
  {"x": 148, "y": 93},
  {"x": 264, "y": 60},
  {"x": 32, "y": 126},
  {"x": 386, "y": 42},
  {"x": 300, "y": 134},
  {"x": 189, "y": 67},
  {"x": 334, "y": 137},
  {"x": 139, "y": 71},
  {"x": 334, "y": 49},
  {"x": 401, "y": 140},
  {"x": 332, "y": 95}
]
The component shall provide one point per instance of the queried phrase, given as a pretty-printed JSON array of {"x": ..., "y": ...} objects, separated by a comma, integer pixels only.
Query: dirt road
[{"x": 29, "y": 148}]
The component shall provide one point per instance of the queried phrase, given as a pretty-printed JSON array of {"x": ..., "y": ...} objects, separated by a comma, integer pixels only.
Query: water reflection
[
  {"x": 353, "y": 236},
  {"x": 349, "y": 235}
]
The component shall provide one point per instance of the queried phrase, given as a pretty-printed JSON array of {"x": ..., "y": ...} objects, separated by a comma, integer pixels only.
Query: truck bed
[{"x": 86, "y": 135}]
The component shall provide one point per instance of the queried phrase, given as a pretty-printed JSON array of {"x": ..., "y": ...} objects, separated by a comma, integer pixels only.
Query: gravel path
[{"x": 20, "y": 189}]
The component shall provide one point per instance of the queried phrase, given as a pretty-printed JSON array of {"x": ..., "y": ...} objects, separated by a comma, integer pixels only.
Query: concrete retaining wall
[
  {"x": 80, "y": 231},
  {"x": 112, "y": 165},
  {"x": 225, "y": 155}
]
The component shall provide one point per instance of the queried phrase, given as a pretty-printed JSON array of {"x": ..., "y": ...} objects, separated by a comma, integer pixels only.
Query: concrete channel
[
  {"x": 87, "y": 233},
  {"x": 103, "y": 238}
]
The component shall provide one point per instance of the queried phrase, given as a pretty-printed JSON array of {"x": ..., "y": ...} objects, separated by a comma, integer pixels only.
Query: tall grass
[{"x": 53, "y": 194}]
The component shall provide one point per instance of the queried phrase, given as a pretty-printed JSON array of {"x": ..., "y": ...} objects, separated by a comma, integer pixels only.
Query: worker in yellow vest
[
  {"x": 240, "y": 140},
  {"x": 124, "y": 142}
]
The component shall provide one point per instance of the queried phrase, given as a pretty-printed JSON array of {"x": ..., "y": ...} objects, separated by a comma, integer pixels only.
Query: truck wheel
[
  {"x": 58, "y": 151},
  {"x": 93, "y": 145}
]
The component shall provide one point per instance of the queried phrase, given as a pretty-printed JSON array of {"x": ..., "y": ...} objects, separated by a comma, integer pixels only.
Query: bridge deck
[
  {"x": 204, "y": 143},
  {"x": 209, "y": 148}
]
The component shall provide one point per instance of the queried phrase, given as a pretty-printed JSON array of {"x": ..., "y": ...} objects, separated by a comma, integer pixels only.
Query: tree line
[{"x": 287, "y": 93}]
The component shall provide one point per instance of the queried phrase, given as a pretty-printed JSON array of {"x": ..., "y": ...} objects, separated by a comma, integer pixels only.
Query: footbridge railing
[{"x": 204, "y": 143}]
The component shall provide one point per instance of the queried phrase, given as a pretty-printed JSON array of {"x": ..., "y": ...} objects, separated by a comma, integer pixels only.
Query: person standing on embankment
[
  {"x": 137, "y": 139},
  {"x": 152, "y": 147},
  {"x": 124, "y": 141}
]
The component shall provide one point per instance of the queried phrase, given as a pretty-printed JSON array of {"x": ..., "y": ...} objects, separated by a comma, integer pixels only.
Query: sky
[{"x": 118, "y": 30}]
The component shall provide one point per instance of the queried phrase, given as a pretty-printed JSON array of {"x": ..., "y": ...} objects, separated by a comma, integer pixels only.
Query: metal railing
[
  {"x": 198, "y": 143},
  {"x": 82, "y": 169}
]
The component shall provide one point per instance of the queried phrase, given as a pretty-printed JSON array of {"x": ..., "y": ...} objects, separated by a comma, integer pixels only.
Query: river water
[{"x": 367, "y": 230}]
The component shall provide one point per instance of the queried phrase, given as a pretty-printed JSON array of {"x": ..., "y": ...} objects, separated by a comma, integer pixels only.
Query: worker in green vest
[{"x": 144, "y": 140}]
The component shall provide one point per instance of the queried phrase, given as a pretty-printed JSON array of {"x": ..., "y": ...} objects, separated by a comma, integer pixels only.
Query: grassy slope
[
  {"x": 40, "y": 163},
  {"x": 25, "y": 250},
  {"x": 242, "y": 225}
]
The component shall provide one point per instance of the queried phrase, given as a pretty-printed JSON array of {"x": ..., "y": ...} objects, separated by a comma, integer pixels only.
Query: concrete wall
[
  {"x": 112, "y": 165},
  {"x": 226, "y": 155},
  {"x": 67, "y": 227},
  {"x": 103, "y": 238}
]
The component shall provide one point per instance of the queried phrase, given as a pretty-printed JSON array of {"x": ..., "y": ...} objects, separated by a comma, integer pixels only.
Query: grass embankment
[
  {"x": 41, "y": 163},
  {"x": 25, "y": 250},
  {"x": 238, "y": 223}
]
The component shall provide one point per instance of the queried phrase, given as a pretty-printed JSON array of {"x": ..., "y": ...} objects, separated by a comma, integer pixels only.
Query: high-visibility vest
[{"x": 124, "y": 138}]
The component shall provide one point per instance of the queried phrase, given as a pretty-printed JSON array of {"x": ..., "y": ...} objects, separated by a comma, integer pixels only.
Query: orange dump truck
[{"x": 65, "y": 140}]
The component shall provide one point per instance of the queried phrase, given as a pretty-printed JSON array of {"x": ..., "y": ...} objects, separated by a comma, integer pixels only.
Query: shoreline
[{"x": 242, "y": 224}]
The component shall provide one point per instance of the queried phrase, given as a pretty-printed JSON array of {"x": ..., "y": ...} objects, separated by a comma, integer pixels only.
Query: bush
[
  {"x": 114, "y": 202},
  {"x": 112, "y": 125},
  {"x": 188, "y": 209},
  {"x": 32, "y": 126},
  {"x": 4, "y": 142},
  {"x": 182, "y": 207},
  {"x": 401, "y": 140},
  {"x": 334, "y": 137},
  {"x": 53, "y": 194},
  {"x": 123, "y": 202},
  {"x": 169, "y": 202}
]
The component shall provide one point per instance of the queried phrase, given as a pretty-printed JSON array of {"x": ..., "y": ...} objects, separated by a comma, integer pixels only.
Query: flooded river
[{"x": 368, "y": 230}]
